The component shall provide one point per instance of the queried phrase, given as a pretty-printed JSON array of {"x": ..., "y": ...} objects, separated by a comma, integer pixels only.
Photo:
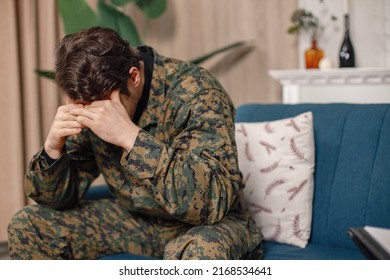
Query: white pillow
[{"x": 277, "y": 162}]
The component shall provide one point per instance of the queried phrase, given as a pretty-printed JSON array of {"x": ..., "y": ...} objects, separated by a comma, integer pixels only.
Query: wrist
[
  {"x": 129, "y": 140},
  {"x": 53, "y": 153}
]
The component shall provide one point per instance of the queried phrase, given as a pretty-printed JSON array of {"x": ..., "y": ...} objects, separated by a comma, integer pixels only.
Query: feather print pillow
[{"x": 276, "y": 159}]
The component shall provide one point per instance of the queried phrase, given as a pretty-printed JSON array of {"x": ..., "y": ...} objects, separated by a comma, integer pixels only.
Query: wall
[
  {"x": 11, "y": 153},
  {"x": 369, "y": 30},
  {"x": 29, "y": 32},
  {"x": 191, "y": 28}
]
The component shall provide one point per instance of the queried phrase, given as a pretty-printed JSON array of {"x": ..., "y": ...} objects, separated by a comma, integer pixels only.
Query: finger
[
  {"x": 68, "y": 107},
  {"x": 85, "y": 112},
  {"x": 64, "y": 132},
  {"x": 62, "y": 116},
  {"x": 85, "y": 121},
  {"x": 96, "y": 104},
  {"x": 63, "y": 112},
  {"x": 115, "y": 96},
  {"x": 72, "y": 106},
  {"x": 72, "y": 124},
  {"x": 70, "y": 131}
]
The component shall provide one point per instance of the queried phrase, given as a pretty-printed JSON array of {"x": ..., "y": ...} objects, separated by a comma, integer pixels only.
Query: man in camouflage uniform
[{"x": 161, "y": 131}]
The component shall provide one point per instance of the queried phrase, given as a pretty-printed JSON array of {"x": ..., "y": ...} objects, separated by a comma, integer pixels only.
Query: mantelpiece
[{"x": 352, "y": 85}]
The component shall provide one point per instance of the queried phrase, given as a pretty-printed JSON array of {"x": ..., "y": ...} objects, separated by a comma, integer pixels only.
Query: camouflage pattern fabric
[
  {"x": 92, "y": 230},
  {"x": 98, "y": 228},
  {"x": 182, "y": 171}
]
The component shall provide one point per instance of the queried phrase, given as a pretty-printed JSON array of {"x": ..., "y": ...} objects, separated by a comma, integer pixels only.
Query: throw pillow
[{"x": 276, "y": 159}]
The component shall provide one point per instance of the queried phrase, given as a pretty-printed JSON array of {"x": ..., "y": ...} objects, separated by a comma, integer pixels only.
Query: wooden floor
[{"x": 3, "y": 251}]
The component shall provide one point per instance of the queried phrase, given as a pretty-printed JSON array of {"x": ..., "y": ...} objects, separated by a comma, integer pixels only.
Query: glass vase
[{"x": 313, "y": 55}]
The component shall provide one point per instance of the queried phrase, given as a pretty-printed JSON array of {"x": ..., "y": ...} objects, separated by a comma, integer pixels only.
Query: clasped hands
[{"x": 108, "y": 119}]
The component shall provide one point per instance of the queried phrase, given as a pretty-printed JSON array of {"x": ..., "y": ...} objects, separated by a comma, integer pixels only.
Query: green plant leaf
[
  {"x": 121, "y": 3},
  {"x": 46, "y": 74},
  {"x": 152, "y": 8},
  {"x": 110, "y": 17},
  {"x": 297, "y": 15},
  {"x": 209, "y": 55},
  {"x": 76, "y": 15},
  {"x": 294, "y": 29}
]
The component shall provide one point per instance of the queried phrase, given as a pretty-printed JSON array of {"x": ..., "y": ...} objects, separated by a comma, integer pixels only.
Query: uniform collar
[{"x": 152, "y": 112}]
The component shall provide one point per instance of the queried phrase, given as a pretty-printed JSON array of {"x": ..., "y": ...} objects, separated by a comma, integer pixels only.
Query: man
[{"x": 161, "y": 132}]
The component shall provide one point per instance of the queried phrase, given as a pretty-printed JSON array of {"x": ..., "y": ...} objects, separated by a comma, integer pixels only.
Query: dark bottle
[{"x": 347, "y": 54}]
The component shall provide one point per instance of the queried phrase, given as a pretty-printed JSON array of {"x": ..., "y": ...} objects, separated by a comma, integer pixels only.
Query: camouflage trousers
[{"x": 104, "y": 227}]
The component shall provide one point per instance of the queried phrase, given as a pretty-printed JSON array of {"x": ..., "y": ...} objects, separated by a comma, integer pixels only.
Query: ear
[{"x": 135, "y": 77}]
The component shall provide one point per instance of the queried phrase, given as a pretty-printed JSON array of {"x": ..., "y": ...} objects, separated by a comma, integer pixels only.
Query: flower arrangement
[
  {"x": 306, "y": 21},
  {"x": 309, "y": 23}
]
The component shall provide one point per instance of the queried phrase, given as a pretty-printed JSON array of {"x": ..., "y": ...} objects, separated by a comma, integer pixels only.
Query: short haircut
[{"x": 92, "y": 63}]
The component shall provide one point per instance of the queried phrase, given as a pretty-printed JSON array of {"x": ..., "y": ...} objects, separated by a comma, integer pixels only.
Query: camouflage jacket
[{"x": 184, "y": 162}]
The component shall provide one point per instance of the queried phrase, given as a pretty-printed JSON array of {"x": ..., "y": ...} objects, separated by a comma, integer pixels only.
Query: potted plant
[
  {"x": 306, "y": 21},
  {"x": 310, "y": 24}
]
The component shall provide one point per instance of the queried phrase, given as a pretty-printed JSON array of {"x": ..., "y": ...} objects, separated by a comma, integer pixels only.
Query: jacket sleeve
[
  {"x": 63, "y": 183},
  {"x": 195, "y": 175}
]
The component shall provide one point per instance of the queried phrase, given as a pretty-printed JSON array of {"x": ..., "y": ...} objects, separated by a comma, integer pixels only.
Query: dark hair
[{"x": 92, "y": 63}]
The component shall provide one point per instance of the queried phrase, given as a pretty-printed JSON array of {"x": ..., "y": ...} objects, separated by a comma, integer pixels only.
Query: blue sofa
[{"x": 352, "y": 175}]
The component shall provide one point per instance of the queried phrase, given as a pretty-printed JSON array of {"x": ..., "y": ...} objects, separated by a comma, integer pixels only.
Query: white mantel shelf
[
  {"x": 337, "y": 76},
  {"x": 352, "y": 85}
]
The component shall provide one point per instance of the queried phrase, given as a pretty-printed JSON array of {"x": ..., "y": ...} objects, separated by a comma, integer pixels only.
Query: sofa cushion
[
  {"x": 277, "y": 251},
  {"x": 352, "y": 182},
  {"x": 98, "y": 192},
  {"x": 276, "y": 159}
]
